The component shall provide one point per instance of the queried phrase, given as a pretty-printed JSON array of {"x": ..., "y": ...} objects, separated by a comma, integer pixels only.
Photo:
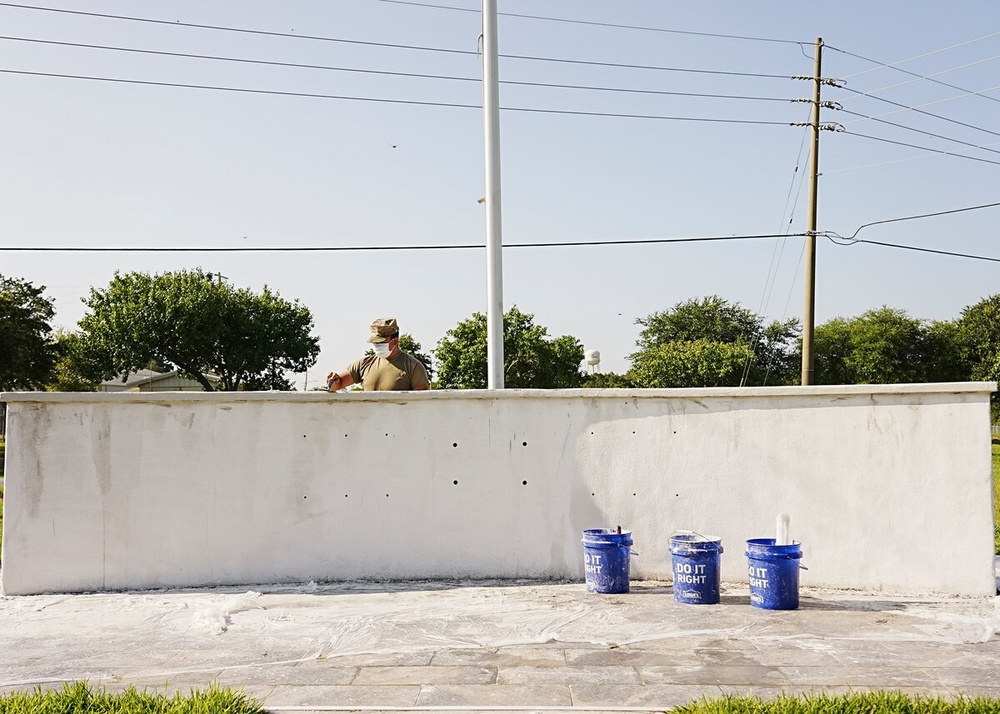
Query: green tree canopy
[
  {"x": 886, "y": 346},
  {"x": 979, "y": 344},
  {"x": 71, "y": 366},
  {"x": 700, "y": 363},
  {"x": 946, "y": 361},
  {"x": 188, "y": 321},
  {"x": 709, "y": 342},
  {"x": 607, "y": 380},
  {"x": 27, "y": 351},
  {"x": 979, "y": 335},
  {"x": 532, "y": 360}
]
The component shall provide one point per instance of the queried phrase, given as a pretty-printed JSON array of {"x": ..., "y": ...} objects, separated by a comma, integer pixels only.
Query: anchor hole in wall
[
  {"x": 455, "y": 445},
  {"x": 524, "y": 483},
  {"x": 455, "y": 482},
  {"x": 524, "y": 443}
]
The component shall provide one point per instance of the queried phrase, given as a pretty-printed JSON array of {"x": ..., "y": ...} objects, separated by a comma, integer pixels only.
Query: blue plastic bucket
[
  {"x": 697, "y": 578},
  {"x": 774, "y": 574},
  {"x": 605, "y": 560}
]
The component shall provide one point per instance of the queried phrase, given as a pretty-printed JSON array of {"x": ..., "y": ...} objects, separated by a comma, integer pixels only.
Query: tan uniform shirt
[{"x": 395, "y": 374}]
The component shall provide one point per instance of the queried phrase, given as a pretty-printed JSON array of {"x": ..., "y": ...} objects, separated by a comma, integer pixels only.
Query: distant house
[{"x": 147, "y": 380}]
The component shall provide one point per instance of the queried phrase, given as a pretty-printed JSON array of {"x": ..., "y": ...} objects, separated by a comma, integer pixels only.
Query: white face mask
[{"x": 381, "y": 349}]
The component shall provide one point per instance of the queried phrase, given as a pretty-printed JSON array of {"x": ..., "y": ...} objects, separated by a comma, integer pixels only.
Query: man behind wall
[{"x": 389, "y": 369}]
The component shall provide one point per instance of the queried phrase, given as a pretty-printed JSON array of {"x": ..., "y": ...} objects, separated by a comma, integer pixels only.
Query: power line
[
  {"x": 776, "y": 253},
  {"x": 188, "y": 55},
  {"x": 707, "y": 120},
  {"x": 658, "y": 92},
  {"x": 919, "y": 131},
  {"x": 922, "y": 215},
  {"x": 415, "y": 75},
  {"x": 957, "y": 96},
  {"x": 922, "y": 250},
  {"x": 327, "y": 249},
  {"x": 837, "y": 239},
  {"x": 937, "y": 74},
  {"x": 923, "y": 148},
  {"x": 368, "y": 43},
  {"x": 180, "y": 85},
  {"x": 914, "y": 74},
  {"x": 650, "y": 67},
  {"x": 221, "y": 28},
  {"x": 884, "y": 163},
  {"x": 409, "y": 102},
  {"x": 599, "y": 24},
  {"x": 926, "y": 54},
  {"x": 920, "y": 111}
]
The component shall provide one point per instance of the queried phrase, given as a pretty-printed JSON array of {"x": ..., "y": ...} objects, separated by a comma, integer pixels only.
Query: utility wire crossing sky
[{"x": 648, "y": 157}]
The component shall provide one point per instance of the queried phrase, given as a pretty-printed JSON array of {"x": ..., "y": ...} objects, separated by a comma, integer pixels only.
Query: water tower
[{"x": 593, "y": 358}]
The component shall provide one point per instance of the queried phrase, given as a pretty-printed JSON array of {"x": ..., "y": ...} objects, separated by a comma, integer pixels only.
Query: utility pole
[
  {"x": 494, "y": 239},
  {"x": 809, "y": 319}
]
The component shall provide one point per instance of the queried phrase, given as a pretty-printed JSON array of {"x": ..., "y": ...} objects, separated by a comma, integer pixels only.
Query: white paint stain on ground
[{"x": 150, "y": 633}]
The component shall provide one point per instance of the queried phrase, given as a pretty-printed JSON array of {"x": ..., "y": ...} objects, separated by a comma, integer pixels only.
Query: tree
[
  {"x": 27, "y": 351},
  {"x": 532, "y": 360},
  {"x": 607, "y": 380},
  {"x": 886, "y": 346},
  {"x": 188, "y": 321},
  {"x": 946, "y": 361},
  {"x": 71, "y": 367},
  {"x": 979, "y": 338},
  {"x": 712, "y": 342},
  {"x": 979, "y": 344},
  {"x": 696, "y": 363}
]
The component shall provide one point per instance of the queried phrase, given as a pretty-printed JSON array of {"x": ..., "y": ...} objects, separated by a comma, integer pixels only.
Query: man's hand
[{"x": 332, "y": 382}]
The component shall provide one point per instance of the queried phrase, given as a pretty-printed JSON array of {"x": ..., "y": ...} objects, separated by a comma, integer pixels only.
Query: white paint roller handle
[{"x": 781, "y": 530}]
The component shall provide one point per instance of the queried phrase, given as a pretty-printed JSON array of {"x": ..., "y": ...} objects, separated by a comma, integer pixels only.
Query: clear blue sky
[{"x": 87, "y": 163}]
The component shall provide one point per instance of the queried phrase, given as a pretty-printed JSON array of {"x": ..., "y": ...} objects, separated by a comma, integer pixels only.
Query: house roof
[{"x": 147, "y": 376}]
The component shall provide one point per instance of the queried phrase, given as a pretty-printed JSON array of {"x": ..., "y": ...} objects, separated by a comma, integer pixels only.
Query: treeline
[
  {"x": 194, "y": 322},
  {"x": 712, "y": 342}
]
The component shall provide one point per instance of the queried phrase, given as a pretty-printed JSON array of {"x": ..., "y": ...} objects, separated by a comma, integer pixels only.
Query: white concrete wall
[{"x": 888, "y": 487}]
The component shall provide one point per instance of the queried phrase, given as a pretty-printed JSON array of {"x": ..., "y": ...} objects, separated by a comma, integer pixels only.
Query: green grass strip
[
  {"x": 867, "y": 703},
  {"x": 80, "y": 698}
]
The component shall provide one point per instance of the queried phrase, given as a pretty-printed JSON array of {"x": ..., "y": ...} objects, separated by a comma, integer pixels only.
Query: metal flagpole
[{"x": 494, "y": 239}]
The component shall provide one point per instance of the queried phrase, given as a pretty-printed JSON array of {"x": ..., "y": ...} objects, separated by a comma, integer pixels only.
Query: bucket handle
[{"x": 681, "y": 532}]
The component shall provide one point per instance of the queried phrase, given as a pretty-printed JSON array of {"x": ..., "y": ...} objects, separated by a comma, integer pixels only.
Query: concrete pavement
[{"x": 461, "y": 646}]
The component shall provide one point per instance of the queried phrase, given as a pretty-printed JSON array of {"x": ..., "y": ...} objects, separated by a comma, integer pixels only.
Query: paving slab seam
[{"x": 463, "y": 708}]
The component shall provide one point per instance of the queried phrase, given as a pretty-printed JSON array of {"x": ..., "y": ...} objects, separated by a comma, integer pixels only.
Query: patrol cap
[{"x": 383, "y": 329}]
